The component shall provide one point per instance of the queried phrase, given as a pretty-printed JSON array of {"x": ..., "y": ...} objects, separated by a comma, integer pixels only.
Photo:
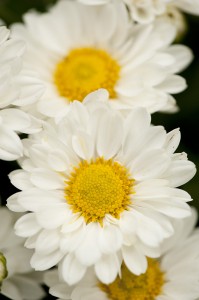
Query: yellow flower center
[
  {"x": 131, "y": 287},
  {"x": 85, "y": 70},
  {"x": 98, "y": 188}
]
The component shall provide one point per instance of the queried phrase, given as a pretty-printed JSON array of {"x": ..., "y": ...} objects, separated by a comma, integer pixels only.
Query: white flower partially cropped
[
  {"x": 75, "y": 55},
  {"x": 22, "y": 283},
  {"x": 18, "y": 88},
  {"x": 145, "y": 11},
  {"x": 173, "y": 276},
  {"x": 100, "y": 188}
]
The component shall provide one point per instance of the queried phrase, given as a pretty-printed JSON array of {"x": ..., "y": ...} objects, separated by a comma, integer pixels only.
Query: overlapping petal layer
[{"x": 79, "y": 213}]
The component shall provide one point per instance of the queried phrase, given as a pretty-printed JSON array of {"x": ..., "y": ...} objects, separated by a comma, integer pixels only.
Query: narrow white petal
[
  {"x": 88, "y": 251},
  {"x": 71, "y": 270},
  {"x": 107, "y": 268},
  {"x": 110, "y": 239},
  {"x": 135, "y": 261},
  {"x": 46, "y": 179},
  {"x": 53, "y": 217},
  {"x": 27, "y": 225},
  {"x": 109, "y": 135},
  {"x": 47, "y": 241},
  {"x": 41, "y": 262}
]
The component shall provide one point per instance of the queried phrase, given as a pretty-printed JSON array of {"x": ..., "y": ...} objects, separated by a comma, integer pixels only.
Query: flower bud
[{"x": 3, "y": 268}]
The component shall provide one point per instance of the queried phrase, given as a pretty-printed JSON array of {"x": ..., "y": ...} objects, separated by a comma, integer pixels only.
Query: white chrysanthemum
[
  {"x": 75, "y": 55},
  {"x": 99, "y": 188},
  {"x": 18, "y": 88},
  {"x": 22, "y": 283},
  {"x": 145, "y": 11},
  {"x": 174, "y": 276}
]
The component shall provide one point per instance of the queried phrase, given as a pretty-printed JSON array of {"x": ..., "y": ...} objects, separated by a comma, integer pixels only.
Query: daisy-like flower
[
  {"x": 18, "y": 88},
  {"x": 100, "y": 188},
  {"x": 21, "y": 283},
  {"x": 75, "y": 55},
  {"x": 173, "y": 276},
  {"x": 145, "y": 11}
]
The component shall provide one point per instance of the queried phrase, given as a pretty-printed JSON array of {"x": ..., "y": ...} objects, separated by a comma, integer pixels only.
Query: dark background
[{"x": 187, "y": 119}]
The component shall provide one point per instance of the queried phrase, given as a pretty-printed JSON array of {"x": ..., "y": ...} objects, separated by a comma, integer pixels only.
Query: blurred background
[{"x": 187, "y": 119}]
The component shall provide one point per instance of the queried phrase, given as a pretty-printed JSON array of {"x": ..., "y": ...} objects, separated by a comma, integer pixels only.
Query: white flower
[
  {"x": 22, "y": 283},
  {"x": 173, "y": 276},
  {"x": 145, "y": 11},
  {"x": 99, "y": 188},
  {"x": 75, "y": 55},
  {"x": 17, "y": 88}
]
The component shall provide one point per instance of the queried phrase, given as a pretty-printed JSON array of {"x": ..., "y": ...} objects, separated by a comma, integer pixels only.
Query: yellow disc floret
[
  {"x": 97, "y": 188},
  {"x": 85, "y": 70},
  {"x": 131, "y": 287}
]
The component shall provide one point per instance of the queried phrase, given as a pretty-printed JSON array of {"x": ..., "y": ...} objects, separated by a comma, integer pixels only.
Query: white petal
[
  {"x": 71, "y": 269},
  {"x": 52, "y": 218},
  {"x": 31, "y": 241},
  {"x": 83, "y": 145},
  {"x": 110, "y": 239},
  {"x": 27, "y": 225},
  {"x": 174, "y": 84},
  {"x": 150, "y": 164},
  {"x": 47, "y": 241},
  {"x": 15, "y": 119},
  {"x": 58, "y": 161},
  {"x": 182, "y": 55},
  {"x": 173, "y": 140},
  {"x": 10, "y": 144},
  {"x": 4, "y": 34},
  {"x": 136, "y": 126},
  {"x": 20, "y": 179},
  {"x": 42, "y": 262},
  {"x": 61, "y": 290},
  {"x": 88, "y": 251},
  {"x": 107, "y": 268},
  {"x": 46, "y": 179},
  {"x": 109, "y": 135},
  {"x": 36, "y": 200},
  {"x": 12, "y": 203},
  {"x": 180, "y": 172},
  {"x": 135, "y": 261}
]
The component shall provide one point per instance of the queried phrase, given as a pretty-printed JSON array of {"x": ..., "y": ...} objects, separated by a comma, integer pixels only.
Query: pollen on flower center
[
  {"x": 97, "y": 188},
  {"x": 85, "y": 70},
  {"x": 131, "y": 287}
]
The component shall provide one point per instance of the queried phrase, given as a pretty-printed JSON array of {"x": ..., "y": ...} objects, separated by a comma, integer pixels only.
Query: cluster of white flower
[{"x": 99, "y": 195}]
